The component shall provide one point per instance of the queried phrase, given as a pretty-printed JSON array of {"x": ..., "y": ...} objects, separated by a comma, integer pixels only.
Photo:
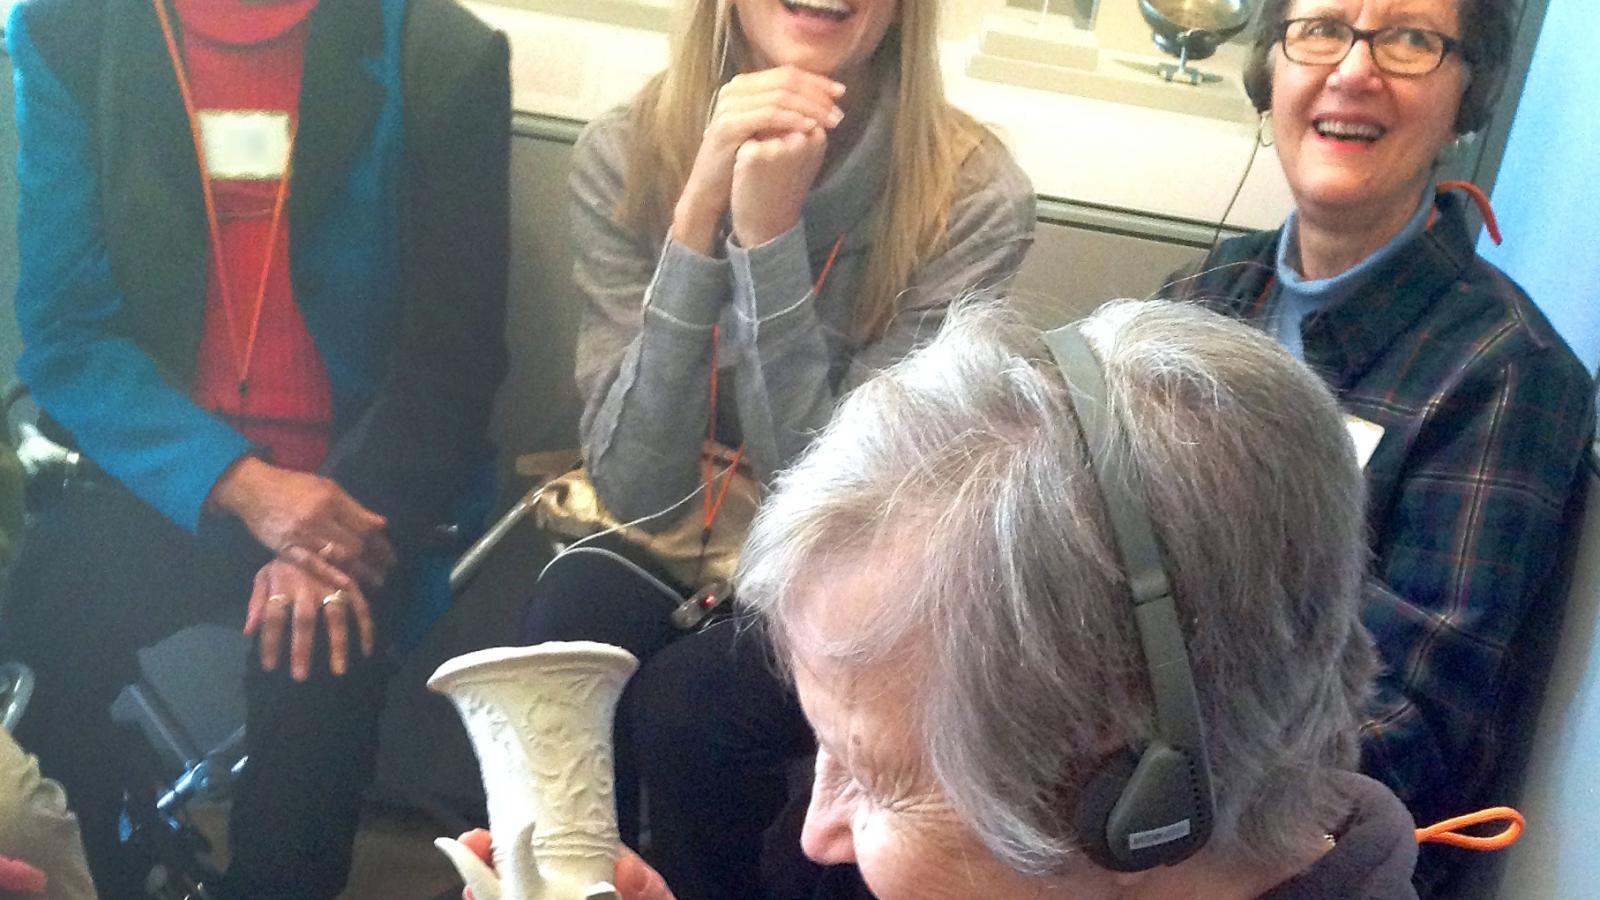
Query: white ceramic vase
[{"x": 540, "y": 721}]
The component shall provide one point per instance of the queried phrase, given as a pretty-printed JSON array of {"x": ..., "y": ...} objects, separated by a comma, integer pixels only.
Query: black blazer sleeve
[{"x": 425, "y": 436}]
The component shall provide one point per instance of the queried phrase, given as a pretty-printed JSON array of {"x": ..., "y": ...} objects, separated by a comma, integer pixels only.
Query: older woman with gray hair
[
  {"x": 939, "y": 574},
  {"x": 952, "y": 575}
]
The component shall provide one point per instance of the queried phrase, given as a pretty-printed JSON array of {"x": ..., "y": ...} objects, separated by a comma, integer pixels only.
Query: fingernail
[
  {"x": 835, "y": 117},
  {"x": 837, "y": 88}
]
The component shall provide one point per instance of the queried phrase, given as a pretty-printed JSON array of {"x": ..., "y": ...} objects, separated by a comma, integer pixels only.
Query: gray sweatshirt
[{"x": 644, "y": 344}]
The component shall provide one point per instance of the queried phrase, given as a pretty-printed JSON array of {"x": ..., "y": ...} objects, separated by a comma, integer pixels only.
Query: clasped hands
[
  {"x": 329, "y": 549},
  {"x": 759, "y": 156}
]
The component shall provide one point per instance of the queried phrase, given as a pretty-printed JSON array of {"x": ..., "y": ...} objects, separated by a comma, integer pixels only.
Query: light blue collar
[{"x": 1300, "y": 297}]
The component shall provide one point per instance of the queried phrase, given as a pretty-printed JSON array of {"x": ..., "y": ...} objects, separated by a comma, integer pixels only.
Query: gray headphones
[{"x": 1150, "y": 807}]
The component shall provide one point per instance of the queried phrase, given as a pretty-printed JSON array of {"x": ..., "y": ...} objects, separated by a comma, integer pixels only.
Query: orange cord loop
[
  {"x": 1482, "y": 201},
  {"x": 1448, "y": 831}
]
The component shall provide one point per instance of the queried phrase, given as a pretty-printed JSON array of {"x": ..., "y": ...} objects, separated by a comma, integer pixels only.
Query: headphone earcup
[
  {"x": 1095, "y": 803},
  {"x": 1258, "y": 85}
]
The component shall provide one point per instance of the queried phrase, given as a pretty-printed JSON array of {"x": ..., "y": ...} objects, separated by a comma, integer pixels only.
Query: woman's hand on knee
[
  {"x": 289, "y": 600},
  {"x": 764, "y": 105}
]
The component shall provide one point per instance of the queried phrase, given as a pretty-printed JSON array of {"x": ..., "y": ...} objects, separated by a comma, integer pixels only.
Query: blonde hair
[{"x": 931, "y": 140}]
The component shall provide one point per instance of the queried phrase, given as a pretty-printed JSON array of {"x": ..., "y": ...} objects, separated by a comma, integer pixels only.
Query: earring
[
  {"x": 1455, "y": 149},
  {"x": 1264, "y": 136}
]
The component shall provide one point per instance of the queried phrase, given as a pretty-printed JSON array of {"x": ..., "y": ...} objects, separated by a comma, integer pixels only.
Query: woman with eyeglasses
[{"x": 1469, "y": 410}]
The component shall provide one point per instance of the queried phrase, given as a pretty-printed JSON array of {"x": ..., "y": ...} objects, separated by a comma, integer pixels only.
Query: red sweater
[{"x": 243, "y": 56}]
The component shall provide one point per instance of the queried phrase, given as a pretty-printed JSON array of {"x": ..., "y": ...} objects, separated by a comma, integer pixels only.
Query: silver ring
[
  {"x": 335, "y": 597},
  {"x": 327, "y": 550},
  {"x": 279, "y": 599}
]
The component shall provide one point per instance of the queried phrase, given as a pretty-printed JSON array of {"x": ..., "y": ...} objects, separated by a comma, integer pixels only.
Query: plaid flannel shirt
[{"x": 1485, "y": 414}]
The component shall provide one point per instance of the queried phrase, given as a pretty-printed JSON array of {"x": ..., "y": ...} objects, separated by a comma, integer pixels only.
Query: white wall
[
  {"x": 1547, "y": 195},
  {"x": 1556, "y": 858}
]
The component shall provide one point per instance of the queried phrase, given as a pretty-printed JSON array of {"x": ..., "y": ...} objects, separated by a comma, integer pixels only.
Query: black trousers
[
  {"x": 706, "y": 725},
  {"x": 102, "y": 574}
]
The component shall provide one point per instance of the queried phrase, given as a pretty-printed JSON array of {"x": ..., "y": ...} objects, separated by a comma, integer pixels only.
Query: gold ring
[
  {"x": 335, "y": 597},
  {"x": 279, "y": 599}
]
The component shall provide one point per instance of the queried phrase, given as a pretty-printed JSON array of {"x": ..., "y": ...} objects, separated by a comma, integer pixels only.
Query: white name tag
[
  {"x": 245, "y": 145},
  {"x": 1365, "y": 436}
]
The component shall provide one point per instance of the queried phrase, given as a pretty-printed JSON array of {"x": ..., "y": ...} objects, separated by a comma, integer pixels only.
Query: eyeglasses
[{"x": 1398, "y": 50}]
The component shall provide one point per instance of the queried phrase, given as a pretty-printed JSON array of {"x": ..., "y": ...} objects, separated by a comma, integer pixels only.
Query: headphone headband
[{"x": 1156, "y": 809}]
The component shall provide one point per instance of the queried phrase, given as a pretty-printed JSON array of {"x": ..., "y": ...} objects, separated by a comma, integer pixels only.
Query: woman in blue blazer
[{"x": 396, "y": 234}]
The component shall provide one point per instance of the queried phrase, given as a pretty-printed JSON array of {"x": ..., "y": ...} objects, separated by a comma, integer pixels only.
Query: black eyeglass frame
[{"x": 1450, "y": 44}]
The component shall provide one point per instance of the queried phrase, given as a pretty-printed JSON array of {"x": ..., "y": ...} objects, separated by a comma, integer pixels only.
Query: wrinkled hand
[
  {"x": 764, "y": 105},
  {"x": 308, "y": 520},
  {"x": 286, "y": 597},
  {"x": 635, "y": 880}
]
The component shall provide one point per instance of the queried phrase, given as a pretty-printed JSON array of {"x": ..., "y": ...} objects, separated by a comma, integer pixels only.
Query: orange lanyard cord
[
  {"x": 213, "y": 227},
  {"x": 1447, "y": 832},
  {"x": 827, "y": 267},
  {"x": 1478, "y": 197},
  {"x": 713, "y": 507},
  {"x": 708, "y": 465}
]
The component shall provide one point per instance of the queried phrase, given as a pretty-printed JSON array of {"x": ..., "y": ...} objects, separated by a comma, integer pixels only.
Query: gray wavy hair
[{"x": 960, "y": 472}]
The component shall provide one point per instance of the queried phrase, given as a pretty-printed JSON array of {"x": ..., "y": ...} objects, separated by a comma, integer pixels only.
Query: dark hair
[{"x": 1486, "y": 30}]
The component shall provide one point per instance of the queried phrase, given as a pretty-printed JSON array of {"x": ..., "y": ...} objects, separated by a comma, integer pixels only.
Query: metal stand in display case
[{"x": 1102, "y": 49}]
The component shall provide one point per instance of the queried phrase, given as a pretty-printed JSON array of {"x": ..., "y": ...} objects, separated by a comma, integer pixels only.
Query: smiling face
[
  {"x": 828, "y": 37},
  {"x": 1357, "y": 144}
]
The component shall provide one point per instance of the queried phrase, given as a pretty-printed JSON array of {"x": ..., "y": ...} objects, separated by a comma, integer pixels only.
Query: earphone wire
[
  {"x": 722, "y": 61},
  {"x": 643, "y": 519},
  {"x": 1255, "y": 147}
]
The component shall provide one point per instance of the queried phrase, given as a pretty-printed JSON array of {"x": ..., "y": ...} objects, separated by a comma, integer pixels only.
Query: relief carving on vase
[{"x": 540, "y": 721}]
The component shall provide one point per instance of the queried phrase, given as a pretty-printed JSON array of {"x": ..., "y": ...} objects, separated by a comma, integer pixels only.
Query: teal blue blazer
[{"x": 398, "y": 245}]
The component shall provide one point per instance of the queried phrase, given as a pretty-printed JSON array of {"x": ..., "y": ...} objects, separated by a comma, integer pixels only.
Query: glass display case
[
  {"x": 1082, "y": 12},
  {"x": 1110, "y": 50},
  {"x": 1082, "y": 108}
]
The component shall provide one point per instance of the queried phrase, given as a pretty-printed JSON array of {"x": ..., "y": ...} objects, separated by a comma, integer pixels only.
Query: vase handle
[{"x": 474, "y": 871}]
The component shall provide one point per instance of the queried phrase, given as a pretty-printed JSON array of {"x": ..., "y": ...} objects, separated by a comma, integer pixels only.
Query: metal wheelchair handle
[
  {"x": 467, "y": 566},
  {"x": 16, "y": 688}
]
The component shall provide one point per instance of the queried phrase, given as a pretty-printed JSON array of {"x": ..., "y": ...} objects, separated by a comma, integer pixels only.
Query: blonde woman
[
  {"x": 779, "y": 131},
  {"x": 792, "y": 204}
]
